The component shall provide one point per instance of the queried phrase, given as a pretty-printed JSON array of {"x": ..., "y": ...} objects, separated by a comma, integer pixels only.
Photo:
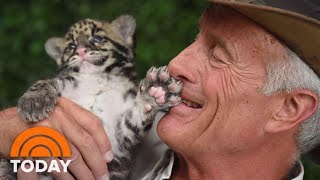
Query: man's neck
[{"x": 266, "y": 163}]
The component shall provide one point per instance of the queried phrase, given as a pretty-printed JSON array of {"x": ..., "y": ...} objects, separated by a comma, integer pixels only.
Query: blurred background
[{"x": 164, "y": 28}]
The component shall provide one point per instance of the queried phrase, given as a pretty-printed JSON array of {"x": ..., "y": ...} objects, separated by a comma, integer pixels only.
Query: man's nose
[
  {"x": 183, "y": 67},
  {"x": 81, "y": 51}
]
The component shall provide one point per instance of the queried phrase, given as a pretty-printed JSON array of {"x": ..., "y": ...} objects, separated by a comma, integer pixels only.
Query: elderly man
[
  {"x": 258, "y": 100},
  {"x": 250, "y": 101}
]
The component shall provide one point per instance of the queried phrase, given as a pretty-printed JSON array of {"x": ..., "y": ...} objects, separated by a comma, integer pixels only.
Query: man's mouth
[{"x": 191, "y": 104}]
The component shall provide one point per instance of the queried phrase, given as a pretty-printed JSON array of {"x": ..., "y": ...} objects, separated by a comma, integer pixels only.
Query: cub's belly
[
  {"x": 107, "y": 104},
  {"x": 106, "y": 99}
]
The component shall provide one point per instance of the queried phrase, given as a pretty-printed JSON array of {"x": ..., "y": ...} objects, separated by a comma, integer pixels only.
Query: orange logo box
[{"x": 40, "y": 142}]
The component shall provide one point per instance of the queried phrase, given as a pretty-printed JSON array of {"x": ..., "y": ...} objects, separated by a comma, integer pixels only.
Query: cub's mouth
[{"x": 95, "y": 58}]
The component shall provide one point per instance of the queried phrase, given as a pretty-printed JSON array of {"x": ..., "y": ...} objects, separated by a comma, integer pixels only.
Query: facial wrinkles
[
  {"x": 222, "y": 83},
  {"x": 219, "y": 47},
  {"x": 251, "y": 67},
  {"x": 247, "y": 69},
  {"x": 238, "y": 71},
  {"x": 196, "y": 54},
  {"x": 236, "y": 82},
  {"x": 230, "y": 29},
  {"x": 207, "y": 83},
  {"x": 233, "y": 78},
  {"x": 213, "y": 74},
  {"x": 219, "y": 43}
]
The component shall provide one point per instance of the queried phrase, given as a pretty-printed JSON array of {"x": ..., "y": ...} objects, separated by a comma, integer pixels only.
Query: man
[
  {"x": 258, "y": 100},
  {"x": 250, "y": 103}
]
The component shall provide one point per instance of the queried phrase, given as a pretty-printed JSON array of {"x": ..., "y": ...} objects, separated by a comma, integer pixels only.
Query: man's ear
[
  {"x": 126, "y": 26},
  {"x": 295, "y": 108},
  {"x": 54, "y": 48}
]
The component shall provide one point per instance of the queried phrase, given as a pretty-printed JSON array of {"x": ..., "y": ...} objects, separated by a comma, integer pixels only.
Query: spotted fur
[{"x": 100, "y": 79}]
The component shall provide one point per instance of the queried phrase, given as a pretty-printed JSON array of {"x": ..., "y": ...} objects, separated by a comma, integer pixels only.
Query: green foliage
[
  {"x": 311, "y": 171},
  {"x": 164, "y": 28}
]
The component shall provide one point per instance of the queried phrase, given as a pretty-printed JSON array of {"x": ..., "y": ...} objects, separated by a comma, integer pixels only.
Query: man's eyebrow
[{"x": 212, "y": 40}]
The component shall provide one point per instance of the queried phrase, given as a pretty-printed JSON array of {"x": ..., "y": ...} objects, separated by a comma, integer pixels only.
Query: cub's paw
[
  {"x": 160, "y": 90},
  {"x": 6, "y": 170},
  {"x": 38, "y": 102}
]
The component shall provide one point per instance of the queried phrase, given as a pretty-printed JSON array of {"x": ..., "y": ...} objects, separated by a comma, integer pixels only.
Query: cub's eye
[
  {"x": 97, "y": 39},
  {"x": 71, "y": 46}
]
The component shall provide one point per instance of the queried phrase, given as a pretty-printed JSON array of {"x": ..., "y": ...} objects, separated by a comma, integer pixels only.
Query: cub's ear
[
  {"x": 126, "y": 26},
  {"x": 54, "y": 48}
]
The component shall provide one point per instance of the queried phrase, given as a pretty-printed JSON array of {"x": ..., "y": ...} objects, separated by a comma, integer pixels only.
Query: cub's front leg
[
  {"x": 6, "y": 170},
  {"x": 39, "y": 101},
  {"x": 156, "y": 92}
]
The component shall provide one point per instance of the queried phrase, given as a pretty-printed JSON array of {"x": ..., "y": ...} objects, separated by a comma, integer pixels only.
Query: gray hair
[{"x": 286, "y": 76}]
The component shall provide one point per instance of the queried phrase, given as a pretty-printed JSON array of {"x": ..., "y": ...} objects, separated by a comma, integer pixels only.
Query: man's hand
[{"x": 90, "y": 146}]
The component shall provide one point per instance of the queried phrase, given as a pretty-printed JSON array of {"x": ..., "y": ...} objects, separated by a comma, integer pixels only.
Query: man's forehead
[
  {"x": 235, "y": 32},
  {"x": 215, "y": 13},
  {"x": 209, "y": 15},
  {"x": 214, "y": 22},
  {"x": 219, "y": 18}
]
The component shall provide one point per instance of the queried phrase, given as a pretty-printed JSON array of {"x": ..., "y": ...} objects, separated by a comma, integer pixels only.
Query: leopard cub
[{"x": 96, "y": 70}]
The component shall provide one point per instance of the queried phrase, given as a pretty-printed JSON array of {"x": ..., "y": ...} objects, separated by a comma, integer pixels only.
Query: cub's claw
[{"x": 160, "y": 90}]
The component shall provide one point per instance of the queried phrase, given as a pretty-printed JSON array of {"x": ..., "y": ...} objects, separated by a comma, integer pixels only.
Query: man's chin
[
  {"x": 173, "y": 132},
  {"x": 172, "y": 123}
]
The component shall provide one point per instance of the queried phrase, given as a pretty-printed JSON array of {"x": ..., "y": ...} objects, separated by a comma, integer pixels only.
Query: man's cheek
[{"x": 231, "y": 84}]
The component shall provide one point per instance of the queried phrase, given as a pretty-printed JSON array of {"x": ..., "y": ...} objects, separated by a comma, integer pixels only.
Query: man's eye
[
  {"x": 97, "y": 39},
  {"x": 213, "y": 56},
  {"x": 219, "y": 54}
]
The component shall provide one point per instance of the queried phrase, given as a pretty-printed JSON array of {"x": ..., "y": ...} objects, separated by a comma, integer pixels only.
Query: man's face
[{"x": 223, "y": 72}]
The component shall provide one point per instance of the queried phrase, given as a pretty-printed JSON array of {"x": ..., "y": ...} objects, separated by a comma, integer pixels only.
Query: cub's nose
[{"x": 81, "y": 52}]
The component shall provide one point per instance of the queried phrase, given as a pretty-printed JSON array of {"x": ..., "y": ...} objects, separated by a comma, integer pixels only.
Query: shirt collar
[{"x": 300, "y": 175}]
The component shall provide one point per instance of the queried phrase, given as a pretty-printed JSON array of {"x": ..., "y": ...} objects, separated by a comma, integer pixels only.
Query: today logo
[{"x": 40, "y": 142}]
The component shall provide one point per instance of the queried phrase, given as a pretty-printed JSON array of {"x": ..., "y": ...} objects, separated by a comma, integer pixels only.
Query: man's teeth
[{"x": 191, "y": 104}]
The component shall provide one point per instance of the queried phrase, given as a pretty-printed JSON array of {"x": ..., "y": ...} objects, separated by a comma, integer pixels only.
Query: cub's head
[{"x": 93, "y": 46}]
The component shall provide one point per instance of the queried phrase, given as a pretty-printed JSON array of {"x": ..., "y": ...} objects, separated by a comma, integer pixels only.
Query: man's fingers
[
  {"x": 21, "y": 175},
  {"x": 65, "y": 120},
  {"x": 77, "y": 166},
  {"x": 59, "y": 175},
  {"x": 91, "y": 123},
  {"x": 88, "y": 148}
]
